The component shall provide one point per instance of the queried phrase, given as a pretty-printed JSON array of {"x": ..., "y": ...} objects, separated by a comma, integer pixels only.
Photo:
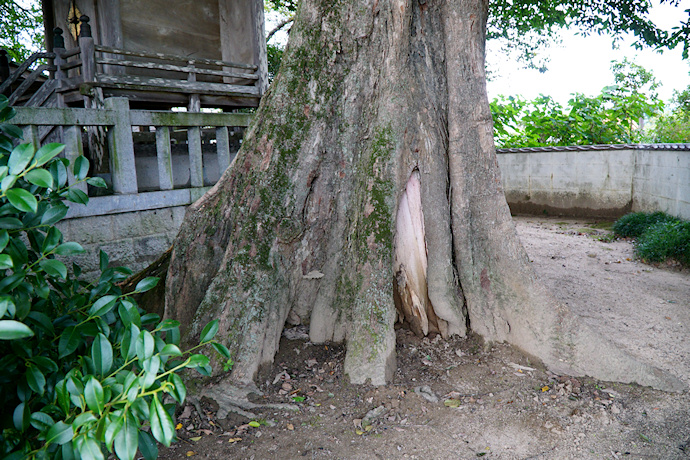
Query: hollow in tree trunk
[{"x": 367, "y": 191}]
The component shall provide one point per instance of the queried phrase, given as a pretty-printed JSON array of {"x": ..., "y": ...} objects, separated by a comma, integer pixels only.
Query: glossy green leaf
[
  {"x": 8, "y": 182},
  {"x": 128, "y": 313},
  {"x": 60, "y": 433},
  {"x": 146, "y": 284},
  {"x": 40, "y": 177},
  {"x": 114, "y": 426},
  {"x": 102, "y": 354},
  {"x": 21, "y": 417},
  {"x": 222, "y": 350},
  {"x": 171, "y": 350},
  {"x": 13, "y": 330},
  {"x": 145, "y": 345},
  {"x": 5, "y": 263},
  {"x": 168, "y": 324},
  {"x": 11, "y": 223},
  {"x": 6, "y": 306},
  {"x": 162, "y": 426},
  {"x": 89, "y": 448},
  {"x": 93, "y": 393},
  {"x": 59, "y": 172},
  {"x": 96, "y": 182},
  {"x": 129, "y": 342},
  {"x": 77, "y": 196},
  {"x": 41, "y": 421},
  {"x": 22, "y": 200},
  {"x": 62, "y": 396},
  {"x": 12, "y": 130},
  {"x": 69, "y": 248},
  {"x": 54, "y": 214},
  {"x": 148, "y": 446},
  {"x": 151, "y": 367},
  {"x": 179, "y": 390},
  {"x": 42, "y": 321},
  {"x": 198, "y": 361},
  {"x": 4, "y": 239},
  {"x": 48, "y": 152},
  {"x": 52, "y": 239},
  {"x": 81, "y": 167},
  {"x": 35, "y": 379},
  {"x": 83, "y": 419},
  {"x": 54, "y": 267},
  {"x": 20, "y": 158},
  {"x": 103, "y": 305},
  {"x": 209, "y": 331},
  {"x": 69, "y": 341}
]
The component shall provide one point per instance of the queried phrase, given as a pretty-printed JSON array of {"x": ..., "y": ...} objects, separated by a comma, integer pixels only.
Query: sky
[{"x": 582, "y": 64}]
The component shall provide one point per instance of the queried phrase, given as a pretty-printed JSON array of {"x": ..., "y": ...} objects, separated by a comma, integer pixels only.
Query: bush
[
  {"x": 665, "y": 240},
  {"x": 633, "y": 225},
  {"x": 82, "y": 368}
]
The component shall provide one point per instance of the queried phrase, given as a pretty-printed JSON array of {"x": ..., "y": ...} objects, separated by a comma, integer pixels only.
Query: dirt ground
[{"x": 463, "y": 399}]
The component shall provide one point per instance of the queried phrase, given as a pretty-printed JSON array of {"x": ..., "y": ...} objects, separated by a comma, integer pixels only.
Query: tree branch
[{"x": 280, "y": 25}]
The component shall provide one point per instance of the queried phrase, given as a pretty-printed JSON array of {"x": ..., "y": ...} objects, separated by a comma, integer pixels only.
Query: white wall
[{"x": 604, "y": 183}]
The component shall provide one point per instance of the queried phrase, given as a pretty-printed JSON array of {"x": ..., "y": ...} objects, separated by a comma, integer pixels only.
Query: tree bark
[{"x": 369, "y": 180}]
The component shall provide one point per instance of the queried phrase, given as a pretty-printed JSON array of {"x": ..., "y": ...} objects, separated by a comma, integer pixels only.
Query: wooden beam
[
  {"x": 176, "y": 68},
  {"x": 165, "y": 84},
  {"x": 43, "y": 116},
  {"x": 152, "y": 118},
  {"x": 172, "y": 57}
]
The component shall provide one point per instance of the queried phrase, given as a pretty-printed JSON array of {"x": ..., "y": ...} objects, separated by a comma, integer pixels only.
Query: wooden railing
[{"x": 118, "y": 121}]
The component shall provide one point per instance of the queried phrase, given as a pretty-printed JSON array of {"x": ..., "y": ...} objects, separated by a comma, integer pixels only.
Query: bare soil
[{"x": 462, "y": 398}]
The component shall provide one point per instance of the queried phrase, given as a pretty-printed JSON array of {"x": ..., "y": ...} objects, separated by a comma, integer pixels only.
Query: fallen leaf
[
  {"x": 290, "y": 426},
  {"x": 178, "y": 426},
  {"x": 255, "y": 424},
  {"x": 368, "y": 428},
  {"x": 359, "y": 432},
  {"x": 234, "y": 440},
  {"x": 545, "y": 388},
  {"x": 313, "y": 275},
  {"x": 452, "y": 403},
  {"x": 190, "y": 453},
  {"x": 195, "y": 438}
]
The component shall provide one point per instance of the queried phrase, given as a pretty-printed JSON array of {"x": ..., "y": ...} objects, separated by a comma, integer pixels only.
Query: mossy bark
[{"x": 301, "y": 228}]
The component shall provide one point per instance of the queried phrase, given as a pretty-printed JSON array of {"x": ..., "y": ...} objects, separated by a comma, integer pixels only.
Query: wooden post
[
  {"x": 260, "y": 53},
  {"x": 165, "y": 176},
  {"x": 194, "y": 101},
  {"x": 74, "y": 148},
  {"x": 30, "y": 136},
  {"x": 121, "y": 146},
  {"x": 223, "y": 148},
  {"x": 88, "y": 52},
  {"x": 196, "y": 167},
  {"x": 59, "y": 75}
]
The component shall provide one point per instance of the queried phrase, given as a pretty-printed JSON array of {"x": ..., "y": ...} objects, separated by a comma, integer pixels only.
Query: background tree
[
  {"x": 21, "y": 28},
  {"x": 368, "y": 180}
]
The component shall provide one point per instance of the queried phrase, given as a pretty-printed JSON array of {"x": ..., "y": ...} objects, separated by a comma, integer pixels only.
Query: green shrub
[
  {"x": 665, "y": 240},
  {"x": 82, "y": 369},
  {"x": 633, "y": 225}
]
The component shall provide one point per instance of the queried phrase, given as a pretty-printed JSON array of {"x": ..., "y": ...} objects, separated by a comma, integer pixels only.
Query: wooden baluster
[{"x": 165, "y": 174}]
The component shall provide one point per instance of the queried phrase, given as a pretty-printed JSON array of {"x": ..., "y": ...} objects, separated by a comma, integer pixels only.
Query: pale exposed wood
[
  {"x": 175, "y": 68},
  {"x": 171, "y": 57},
  {"x": 165, "y": 177},
  {"x": 196, "y": 168}
]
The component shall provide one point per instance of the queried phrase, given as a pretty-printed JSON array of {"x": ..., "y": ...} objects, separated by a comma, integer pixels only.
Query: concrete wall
[
  {"x": 596, "y": 182},
  {"x": 662, "y": 182},
  {"x": 131, "y": 239}
]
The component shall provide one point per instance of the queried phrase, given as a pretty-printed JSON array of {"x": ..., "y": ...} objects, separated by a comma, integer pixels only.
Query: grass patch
[
  {"x": 602, "y": 225},
  {"x": 633, "y": 225},
  {"x": 659, "y": 236}
]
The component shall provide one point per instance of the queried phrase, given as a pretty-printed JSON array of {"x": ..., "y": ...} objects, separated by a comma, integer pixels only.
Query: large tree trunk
[{"x": 367, "y": 181}]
